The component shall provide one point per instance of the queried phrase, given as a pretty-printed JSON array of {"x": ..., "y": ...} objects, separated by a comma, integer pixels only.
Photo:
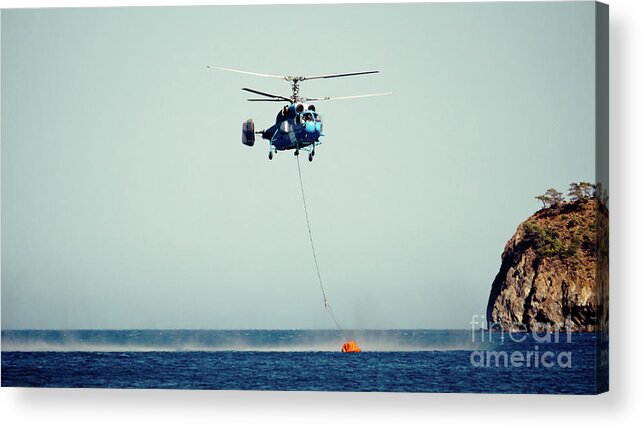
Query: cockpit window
[{"x": 307, "y": 117}]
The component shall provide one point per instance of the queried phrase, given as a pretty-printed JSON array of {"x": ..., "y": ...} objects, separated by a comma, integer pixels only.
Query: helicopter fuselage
[{"x": 296, "y": 126}]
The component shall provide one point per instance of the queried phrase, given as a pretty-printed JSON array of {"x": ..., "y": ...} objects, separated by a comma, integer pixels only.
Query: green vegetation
[{"x": 547, "y": 243}]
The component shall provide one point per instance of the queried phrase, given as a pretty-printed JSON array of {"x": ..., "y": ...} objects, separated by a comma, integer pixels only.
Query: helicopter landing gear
[
  {"x": 310, "y": 157},
  {"x": 296, "y": 152},
  {"x": 271, "y": 152}
]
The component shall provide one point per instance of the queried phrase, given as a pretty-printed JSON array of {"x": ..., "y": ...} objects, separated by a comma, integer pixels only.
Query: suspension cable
[{"x": 326, "y": 304}]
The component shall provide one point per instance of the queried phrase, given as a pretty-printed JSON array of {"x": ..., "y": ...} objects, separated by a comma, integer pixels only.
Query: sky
[{"x": 128, "y": 200}]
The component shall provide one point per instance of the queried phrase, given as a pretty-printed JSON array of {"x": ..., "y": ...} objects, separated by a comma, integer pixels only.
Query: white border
[{"x": 621, "y": 406}]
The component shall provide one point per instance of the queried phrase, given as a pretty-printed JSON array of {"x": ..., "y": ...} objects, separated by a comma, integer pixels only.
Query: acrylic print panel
[{"x": 415, "y": 198}]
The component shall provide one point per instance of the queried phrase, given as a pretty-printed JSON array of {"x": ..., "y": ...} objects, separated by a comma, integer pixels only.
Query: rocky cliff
[{"x": 549, "y": 268}]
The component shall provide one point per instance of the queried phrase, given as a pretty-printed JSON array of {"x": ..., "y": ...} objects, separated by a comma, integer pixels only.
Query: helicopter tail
[{"x": 247, "y": 137}]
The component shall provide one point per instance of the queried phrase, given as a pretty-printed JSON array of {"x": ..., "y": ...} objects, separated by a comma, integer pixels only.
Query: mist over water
[{"x": 233, "y": 340}]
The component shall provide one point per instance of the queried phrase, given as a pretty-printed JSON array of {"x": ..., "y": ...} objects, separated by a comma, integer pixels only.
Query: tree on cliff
[
  {"x": 551, "y": 198},
  {"x": 579, "y": 191}
]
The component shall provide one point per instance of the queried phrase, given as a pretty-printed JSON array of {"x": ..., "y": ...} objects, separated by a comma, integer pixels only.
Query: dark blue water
[{"x": 298, "y": 360}]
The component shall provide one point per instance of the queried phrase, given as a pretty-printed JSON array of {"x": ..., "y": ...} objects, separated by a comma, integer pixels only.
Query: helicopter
[{"x": 298, "y": 125}]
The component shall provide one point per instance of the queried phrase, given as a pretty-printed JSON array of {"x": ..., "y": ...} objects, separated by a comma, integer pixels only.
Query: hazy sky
[{"x": 128, "y": 200}]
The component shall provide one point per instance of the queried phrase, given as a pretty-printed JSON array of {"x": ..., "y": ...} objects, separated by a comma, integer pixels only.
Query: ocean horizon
[{"x": 296, "y": 360}]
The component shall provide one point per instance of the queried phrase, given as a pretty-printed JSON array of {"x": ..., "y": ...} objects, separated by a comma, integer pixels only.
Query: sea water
[{"x": 300, "y": 360}]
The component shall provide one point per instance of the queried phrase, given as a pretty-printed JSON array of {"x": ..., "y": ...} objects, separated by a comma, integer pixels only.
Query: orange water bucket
[{"x": 350, "y": 347}]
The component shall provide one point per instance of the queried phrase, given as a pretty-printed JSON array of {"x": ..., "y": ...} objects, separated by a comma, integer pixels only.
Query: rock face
[{"x": 549, "y": 268}]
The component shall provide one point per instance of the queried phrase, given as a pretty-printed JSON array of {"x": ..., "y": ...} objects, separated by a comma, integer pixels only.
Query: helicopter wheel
[
  {"x": 296, "y": 152},
  {"x": 310, "y": 157},
  {"x": 270, "y": 155}
]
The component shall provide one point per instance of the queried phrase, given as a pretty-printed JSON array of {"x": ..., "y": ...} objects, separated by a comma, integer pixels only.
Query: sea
[{"x": 301, "y": 360}]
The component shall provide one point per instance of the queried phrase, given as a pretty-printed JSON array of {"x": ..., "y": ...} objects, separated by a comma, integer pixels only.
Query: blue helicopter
[{"x": 298, "y": 126}]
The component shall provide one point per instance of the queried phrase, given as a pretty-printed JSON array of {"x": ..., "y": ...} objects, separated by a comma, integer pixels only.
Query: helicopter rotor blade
[
  {"x": 348, "y": 97},
  {"x": 266, "y": 99},
  {"x": 331, "y": 76},
  {"x": 295, "y": 80},
  {"x": 251, "y": 73},
  {"x": 265, "y": 94}
]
